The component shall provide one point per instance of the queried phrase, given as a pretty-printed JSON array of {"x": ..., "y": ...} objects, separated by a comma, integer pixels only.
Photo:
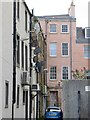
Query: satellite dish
[
  {"x": 35, "y": 59},
  {"x": 37, "y": 50},
  {"x": 38, "y": 66}
]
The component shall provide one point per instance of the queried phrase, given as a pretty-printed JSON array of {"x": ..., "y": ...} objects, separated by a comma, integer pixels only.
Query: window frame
[
  {"x": 67, "y": 28},
  {"x": 18, "y": 51},
  {"x": 22, "y": 53},
  {"x": 54, "y": 77},
  {"x": 26, "y": 18},
  {"x": 51, "y": 50},
  {"x": 18, "y": 9},
  {"x": 53, "y": 29},
  {"x": 64, "y": 50},
  {"x": 62, "y": 73},
  {"x": 26, "y": 57},
  {"x": 6, "y": 94},
  {"x": 18, "y": 95},
  {"x": 87, "y": 57},
  {"x": 24, "y": 97}
]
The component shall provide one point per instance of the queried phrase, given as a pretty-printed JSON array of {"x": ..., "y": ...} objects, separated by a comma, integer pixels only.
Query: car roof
[{"x": 53, "y": 107}]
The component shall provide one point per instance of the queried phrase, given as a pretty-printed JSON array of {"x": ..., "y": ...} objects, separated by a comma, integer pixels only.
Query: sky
[{"x": 58, "y": 7}]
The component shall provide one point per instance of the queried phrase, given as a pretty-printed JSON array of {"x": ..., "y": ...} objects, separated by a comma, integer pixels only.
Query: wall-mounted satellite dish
[
  {"x": 35, "y": 59},
  {"x": 38, "y": 66},
  {"x": 37, "y": 50}
]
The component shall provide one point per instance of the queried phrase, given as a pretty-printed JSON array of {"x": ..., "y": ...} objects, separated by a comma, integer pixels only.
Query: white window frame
[
  {"x": 53, "y": 31},
  {"x": 62, "y": 73},
  {"x": 50, "y": 49},
  {"x": 54, "y": 73},
  {"x": 67, "y": 28},
  {"x": 84, "y": 52},
  {"x": 86, "y": 32},
  {"x": 68, "y": 49}
]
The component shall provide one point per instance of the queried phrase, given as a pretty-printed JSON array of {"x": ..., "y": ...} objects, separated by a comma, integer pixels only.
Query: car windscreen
[{"x": 53, "y": 109}]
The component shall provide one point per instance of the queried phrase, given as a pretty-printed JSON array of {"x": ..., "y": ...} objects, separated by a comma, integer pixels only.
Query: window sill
[
  {"x": 87, "y": 57},
  {"x": 52, "y": 32},
  {"x": 52, "y": 80},
  {"x": 64, "y": 32},
  {"x": 52, "y": 56},
  {"x": 65, "y": 56}
]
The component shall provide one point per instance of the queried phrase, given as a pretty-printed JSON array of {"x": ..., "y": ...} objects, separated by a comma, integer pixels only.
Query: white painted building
[{"x": 6, "y": 59}]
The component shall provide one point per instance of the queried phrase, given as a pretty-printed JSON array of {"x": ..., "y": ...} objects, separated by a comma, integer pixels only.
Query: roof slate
[
  {"x": 57, "y": 17},
  {"x": 80, "y": 36}
]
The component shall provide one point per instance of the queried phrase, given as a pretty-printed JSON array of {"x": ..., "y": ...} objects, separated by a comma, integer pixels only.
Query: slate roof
[
  {"x": 80, "y": 36},
  {"x": 57, "y": 17}
]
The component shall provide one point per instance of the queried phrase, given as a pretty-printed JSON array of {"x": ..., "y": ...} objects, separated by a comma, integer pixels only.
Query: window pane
[
  {"x": 64, "y": 28},
  {"x": 52, "y": 28},
  {"x": 17, "y": 96},
  {"x": 18, "y": 50},
  {"x": 53, "y": 72},
  {"x": 23, "y": 97},
  {"x": 64, "y": 48},
  {"x": 22, "y": 51},
  {"x": 65, "y": 73},
  {"x": 87, "y": 51},
  {"x": 26, "y": 58},
  {"x": 6, "y": 94},
  {"x": 18, "y": 9},
  {"x": 52, "y": 49},
  {"x": 26, "y": 21}
]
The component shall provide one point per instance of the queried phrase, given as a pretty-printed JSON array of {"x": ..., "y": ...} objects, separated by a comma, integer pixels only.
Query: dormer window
[{"x": 87, "y": 32}]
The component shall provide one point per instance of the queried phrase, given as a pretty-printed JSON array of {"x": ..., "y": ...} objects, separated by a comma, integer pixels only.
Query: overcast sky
[{"x": 58, "y": 7}]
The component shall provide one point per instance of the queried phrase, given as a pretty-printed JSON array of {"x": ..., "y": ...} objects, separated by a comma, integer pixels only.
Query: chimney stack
[
  {"x": 71, "y": 10},
  {"x": 89, "y": 14}
]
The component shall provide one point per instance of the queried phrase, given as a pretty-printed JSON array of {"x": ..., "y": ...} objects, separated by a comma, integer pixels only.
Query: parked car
[{"x": 53, "y": 113}]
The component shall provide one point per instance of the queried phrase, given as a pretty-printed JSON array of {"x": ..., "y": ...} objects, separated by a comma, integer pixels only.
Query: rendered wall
[
  {"x": 75, "y": 99},
  {"x": 0, "y": 60}
]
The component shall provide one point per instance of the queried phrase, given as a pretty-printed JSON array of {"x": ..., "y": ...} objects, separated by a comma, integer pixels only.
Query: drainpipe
[
  {"x": 30, "y": 51},
  {"x": 46, "y": 28},
  {"x": 37, "y": 98},
  {"x": 14, "y": 59},
  {"x": 71, "y": 48}
]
